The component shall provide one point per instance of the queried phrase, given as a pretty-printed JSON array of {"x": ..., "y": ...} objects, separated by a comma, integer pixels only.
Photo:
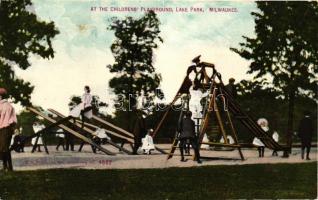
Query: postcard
[{"x": 158, "y": 99}]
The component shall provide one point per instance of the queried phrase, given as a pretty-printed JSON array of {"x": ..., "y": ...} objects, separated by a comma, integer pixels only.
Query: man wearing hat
[
  {"x": 305, "y": 132},
  {"x": 8, "y": 120},
  {"x": 140, "y": 130}
]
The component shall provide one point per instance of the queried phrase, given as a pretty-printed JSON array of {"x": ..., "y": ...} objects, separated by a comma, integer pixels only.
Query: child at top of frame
[
  {"x": 231, "y": 88},
  {"x": 84, "y": 109}
]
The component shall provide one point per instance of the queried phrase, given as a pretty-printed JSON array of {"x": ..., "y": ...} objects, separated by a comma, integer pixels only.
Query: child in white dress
[
  {"x": 37, "y": 127},
  {"x": 147, "y": 143}
]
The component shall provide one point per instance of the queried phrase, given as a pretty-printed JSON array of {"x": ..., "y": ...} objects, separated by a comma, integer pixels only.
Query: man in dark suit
[
  {"x": 140, "y": 130},
  {"x": 305, "y": 132},
  {"x": 187, "y": 132}
]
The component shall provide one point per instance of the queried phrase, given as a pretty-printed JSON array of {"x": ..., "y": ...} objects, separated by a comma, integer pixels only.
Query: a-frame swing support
[
  {"x": 214, "y": 109},
  {"x": 204, "y": 81}
]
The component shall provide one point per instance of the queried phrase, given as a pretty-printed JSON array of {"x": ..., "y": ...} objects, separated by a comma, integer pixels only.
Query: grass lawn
[{"x": 211, "y": 182}]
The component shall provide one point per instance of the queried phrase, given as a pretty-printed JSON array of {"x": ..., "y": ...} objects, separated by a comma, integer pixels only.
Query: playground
[
  {"x": 109, "y": 146},
  {"x": 209, "y": 100},
  {"x": 110, "y": 155},
  {"x": 87, "y": 160}
]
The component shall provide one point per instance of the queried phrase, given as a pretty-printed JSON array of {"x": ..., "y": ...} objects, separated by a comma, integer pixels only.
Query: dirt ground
[{"x": 88, "y": 160}]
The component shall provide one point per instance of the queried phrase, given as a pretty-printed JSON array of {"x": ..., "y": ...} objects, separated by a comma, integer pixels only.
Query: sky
[{"x": 82, "y": 49}]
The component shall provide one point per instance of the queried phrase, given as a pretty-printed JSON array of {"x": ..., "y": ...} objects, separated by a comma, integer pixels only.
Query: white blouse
[{"x": 87, "y": 100}]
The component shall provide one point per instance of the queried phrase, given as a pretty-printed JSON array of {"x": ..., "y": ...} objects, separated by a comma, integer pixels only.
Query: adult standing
[
  {"x": 187, "y": 132},
  {"x": 305, "y": 131},
  {"x": 8, "y": 121},
  {"x": 140, "y": 130}
]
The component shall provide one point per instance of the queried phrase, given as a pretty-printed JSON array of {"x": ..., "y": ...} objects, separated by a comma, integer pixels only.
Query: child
[
  {"x": 205, "y": 139},
  {"x": 37, "y": 127},
  {"x": 275, "y": 137},
  {"x": 84, "y": 109},
  {"x": 263, "y": 123},
  {"x": 18, "y": 141},
  {"x": 61, "y": 139},
  {"x": 100, "y": 137},
  {"x": 147, "y": 143},
  {"x": 260, "y": 146},
  {"x": 229, "y": 138}
]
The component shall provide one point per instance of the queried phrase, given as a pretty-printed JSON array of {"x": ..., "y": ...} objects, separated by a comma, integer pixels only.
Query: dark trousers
[
  {"x": 305, "y": 145},
  {"x": 7, "y": 160},
  {"x": 274, "y": 153},
  {"x": 39, "y": 147},
  {"x": 18, "y": 144},
  {"x": 60, "y": 143},
  {"x": 82, "y": 144},
  {"x": 187, "y": 147},
  {"x": 137, "y": 144},
  {"x": 5, "y": 153},
  {"x": 69, "y": 142},
  {"x": 97, "y": 141},
  {"x": 194, "y": 144},
  {"x": 261, "y": 151},
  {"x": 83, "y": 114}
]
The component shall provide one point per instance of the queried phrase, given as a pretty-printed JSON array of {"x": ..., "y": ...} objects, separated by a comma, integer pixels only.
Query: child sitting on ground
[{"x": 147, "y": 143}]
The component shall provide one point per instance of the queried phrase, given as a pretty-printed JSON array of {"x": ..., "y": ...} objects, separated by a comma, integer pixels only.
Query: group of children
[
  {"x": 65, "y": 140},
  {"x": 186, "y": 128}
]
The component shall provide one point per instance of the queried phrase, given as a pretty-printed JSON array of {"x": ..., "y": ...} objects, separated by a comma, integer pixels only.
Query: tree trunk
[{"x": 290, "y": 123}]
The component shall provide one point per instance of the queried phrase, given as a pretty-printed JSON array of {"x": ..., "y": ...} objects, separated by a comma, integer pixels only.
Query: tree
[
  {"x": 21, "y": 33},
  {"x": 285, "y": 49},
  {"x": 26, "y": 119},
  {"x": 259, "y": 101},
  {"x": 133, "y": 49}
]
